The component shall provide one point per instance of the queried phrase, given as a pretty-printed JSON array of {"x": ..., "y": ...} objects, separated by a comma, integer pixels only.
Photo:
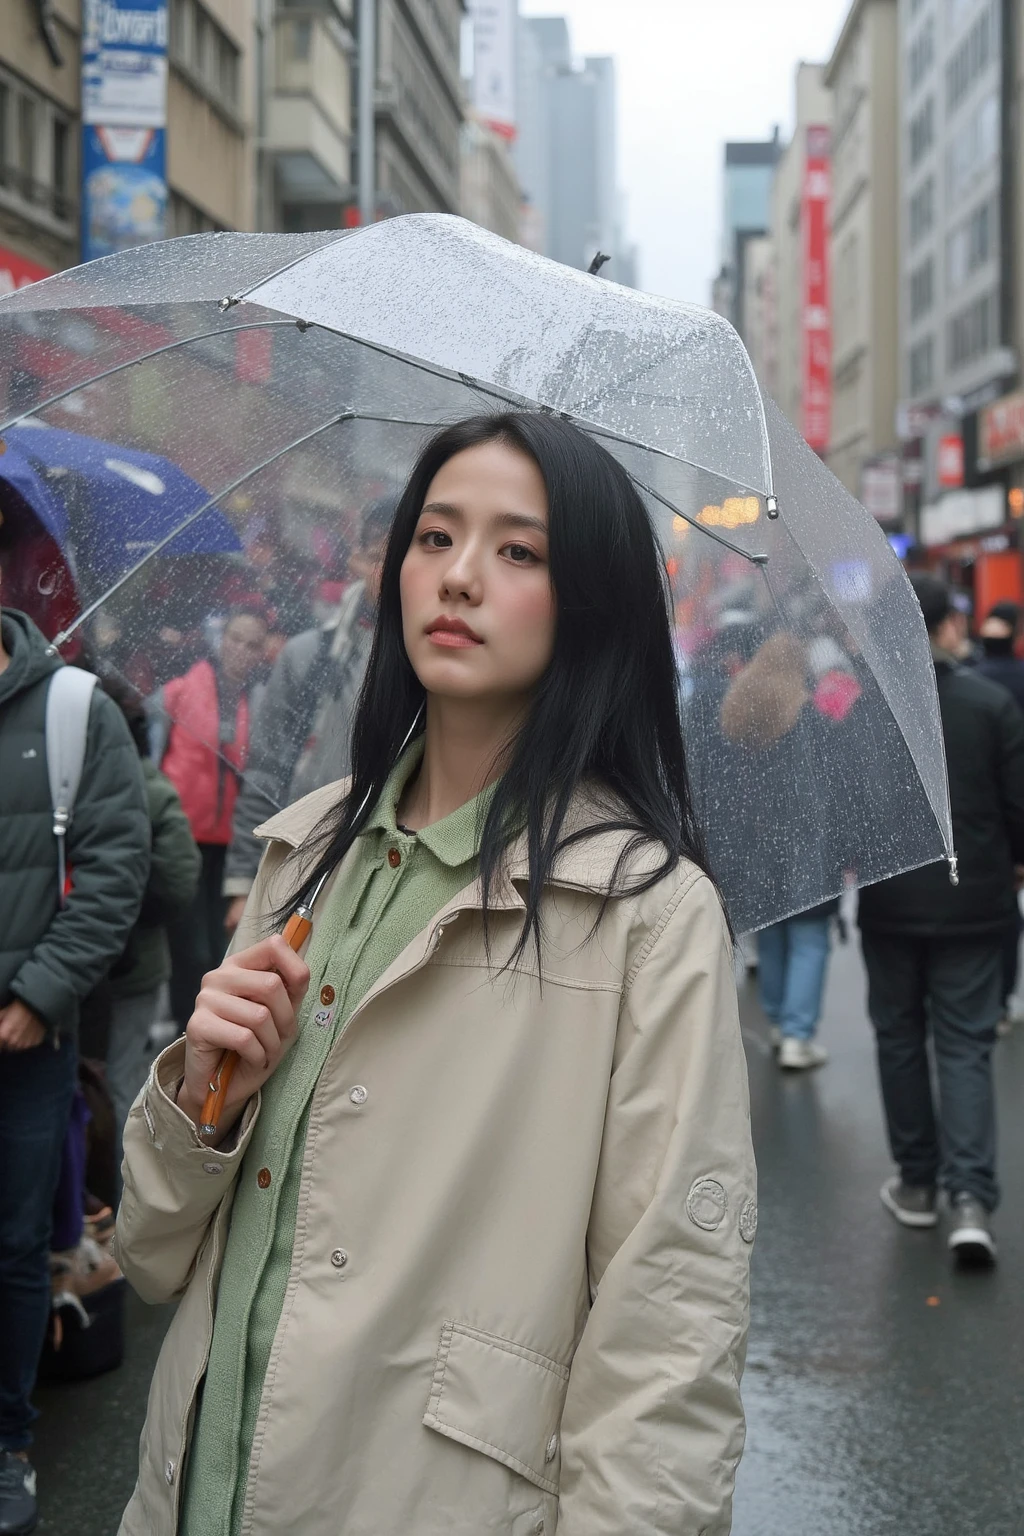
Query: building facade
[
  {"x": 747, "y": 180},
  {"x": 420, "y": 105},
  {"x": 863, "y": 79},
  {"x": 490, "y": 193},
  {"x": 209, "y": 139}
]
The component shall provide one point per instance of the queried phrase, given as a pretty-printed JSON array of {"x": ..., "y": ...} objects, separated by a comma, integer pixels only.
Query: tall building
[
  {"x": 799, "y": 225},
  {"x": 420, "y": 105},
  {"x": 566, "y": 151},
  {"x": 489, "y": 183},
  {"x": 208, "y": 182},
  {"x": 863, "y": 78},
  {"x": 748, "y": 175}
]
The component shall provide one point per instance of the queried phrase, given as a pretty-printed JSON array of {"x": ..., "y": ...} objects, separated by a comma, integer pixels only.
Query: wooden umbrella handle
[{"x": 296, "y": 932}]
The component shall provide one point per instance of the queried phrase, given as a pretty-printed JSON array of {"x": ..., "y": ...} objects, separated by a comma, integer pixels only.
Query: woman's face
[
  {"x": 478, "y": 607},
  {"x": 242, "y": 646}
]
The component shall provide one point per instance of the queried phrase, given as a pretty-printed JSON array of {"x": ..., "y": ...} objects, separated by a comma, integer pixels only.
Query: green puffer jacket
[
  {"x": 173, "y": 878},
  {"x": 52, "y": 958}
]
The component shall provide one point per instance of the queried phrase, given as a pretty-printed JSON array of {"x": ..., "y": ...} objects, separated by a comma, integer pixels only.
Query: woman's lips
[{"x": 452, "y": 638}]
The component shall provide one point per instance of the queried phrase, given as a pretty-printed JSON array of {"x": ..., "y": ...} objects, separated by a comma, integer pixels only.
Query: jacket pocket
[{"x": 501, "y": 1399}]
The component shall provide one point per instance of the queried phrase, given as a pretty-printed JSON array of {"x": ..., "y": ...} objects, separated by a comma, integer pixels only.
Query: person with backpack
[
  {"x": 301, "y": 731},
  {"x": 74, "y": 858}
]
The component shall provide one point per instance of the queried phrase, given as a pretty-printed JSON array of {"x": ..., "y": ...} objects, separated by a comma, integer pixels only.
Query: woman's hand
[{"x": 247, "y": 1005}]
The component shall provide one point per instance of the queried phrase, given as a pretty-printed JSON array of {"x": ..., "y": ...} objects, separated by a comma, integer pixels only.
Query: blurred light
[
  {"x": 1016, "y": 501},
  {"x": 680, "y": 526},
  {"x": 901, "y": 543},
  {"x": 672, "y": 567},
  {"x": 734, "y": 511}
]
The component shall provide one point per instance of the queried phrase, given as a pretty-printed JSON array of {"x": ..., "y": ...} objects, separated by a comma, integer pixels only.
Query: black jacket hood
[{"x": 27, "y": 647}]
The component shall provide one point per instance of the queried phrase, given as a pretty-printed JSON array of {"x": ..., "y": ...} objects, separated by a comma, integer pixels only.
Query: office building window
[
  {"x": 979, "y": 49},
  {"x": 921, "y": 54},
  {"x": 184, "y": 218},
  {"x": 922, "y": 366},
  {"x": 205, "y": 52},
  {"x": 37, "y": 146},
  {"x": 922, "y": 131},
  {"x": 973, "y": 149},
  {"x": 972, "y": 245},
  {"x": 922, "y": 289},
  {"x": 973, "y": 332},
  {"x": 922, "y": 210}
]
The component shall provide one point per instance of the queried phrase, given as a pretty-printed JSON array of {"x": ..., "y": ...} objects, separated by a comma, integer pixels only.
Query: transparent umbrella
[{"x": 295, "y": 377}]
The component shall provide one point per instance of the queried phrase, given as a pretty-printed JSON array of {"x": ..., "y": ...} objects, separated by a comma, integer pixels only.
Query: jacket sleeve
[
  {"x": 173, "y": 1183},
  {"x": 176, "y": 861},
  {"x": 108, "y": 853},
  {"x": 1011, "y": 775},
  {"x": 274, "y": 742},
  {"x": 652, "y": 1429}
]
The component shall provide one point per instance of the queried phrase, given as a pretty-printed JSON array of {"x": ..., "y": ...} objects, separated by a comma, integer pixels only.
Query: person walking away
[
  {"x": 540, "y": 1311},
  {"x": 934, "y": 958},
  {"x": 792, "y": 964},
  {"x": 206, "y": 719},
  {"x": 139, "y": 976},
  {"x": 302, "y": 729},
  {"x": 55, "y": 945}
]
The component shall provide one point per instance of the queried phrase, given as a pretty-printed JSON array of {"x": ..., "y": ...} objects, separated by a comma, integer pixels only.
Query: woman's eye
[
  {"x": 519, "y": 554},
  {"x": 436, "y": 538}
]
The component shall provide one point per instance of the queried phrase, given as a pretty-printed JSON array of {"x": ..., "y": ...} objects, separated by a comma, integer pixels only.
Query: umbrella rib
[
  {"x": 755, "y": 559},
  {"x": 145, "y": 357},
  {"x": 169, "y": 538}
]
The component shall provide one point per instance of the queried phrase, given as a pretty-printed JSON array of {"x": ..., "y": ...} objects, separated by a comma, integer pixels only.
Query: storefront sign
[
  {"x": 495, "y": 24},
  {"x": 963, "y": 512},
  {"x": 881, "y": 488},
  {"x": 815, "y": 304},
  {"x": 950, "y": 461},
  {"x": 16, "y": 272},
  {"x": 124, "y": 116},
  {"x": 1001, "y": 431}
]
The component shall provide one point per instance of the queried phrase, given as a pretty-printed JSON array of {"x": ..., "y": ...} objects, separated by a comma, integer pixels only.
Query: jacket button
[
  {"x": 359, "y": 1094},
  {"x": 213, "y": 1168},
  {"x": 169, "y": 1472},
  {"x": 263, "y": 1178},
  {"x": 327, "y": 995},
  {"x": 394, "y": 858},
  {"x": 339, "y": 1258},
  {"x": 552, "y": 1449}
]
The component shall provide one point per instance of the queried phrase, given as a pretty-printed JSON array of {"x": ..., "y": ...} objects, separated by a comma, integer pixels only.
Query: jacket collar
[{"x": 588, "y": 865}]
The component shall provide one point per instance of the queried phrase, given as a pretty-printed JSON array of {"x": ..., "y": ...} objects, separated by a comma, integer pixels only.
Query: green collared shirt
[{"x": 395, "y": 884}]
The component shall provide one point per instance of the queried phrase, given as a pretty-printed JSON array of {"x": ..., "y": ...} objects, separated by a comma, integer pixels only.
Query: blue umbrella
[{"x": 111, "y": 505}]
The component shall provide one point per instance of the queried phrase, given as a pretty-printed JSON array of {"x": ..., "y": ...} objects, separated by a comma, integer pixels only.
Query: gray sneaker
[
  {"x": 970, "y": 1239},
  {"x": 19, "y": 1514},
  {"x": 913, "y": 1205}
]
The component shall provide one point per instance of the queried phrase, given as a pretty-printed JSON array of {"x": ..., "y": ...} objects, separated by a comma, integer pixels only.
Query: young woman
[{"x": 472, "y": 1254}]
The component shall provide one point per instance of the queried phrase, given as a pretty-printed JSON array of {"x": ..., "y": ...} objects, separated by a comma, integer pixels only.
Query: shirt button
[
  {"x": 359, "y": 1094},
  {"x": 327, "y": 996},
  {"x": 339, "y": 1258},
  {"x": 213, "y": 1168},
  {"x": 394, "y": 858},
  {"x": 263, "y": 1178}
]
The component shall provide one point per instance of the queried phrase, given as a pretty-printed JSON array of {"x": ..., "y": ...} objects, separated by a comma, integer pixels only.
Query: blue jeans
[
  {"x": 791, "y": 961},
  {"x": 36, "y": 1089}
]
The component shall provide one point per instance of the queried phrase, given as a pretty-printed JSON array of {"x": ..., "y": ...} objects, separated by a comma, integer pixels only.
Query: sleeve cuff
[{"x": 170, "y": 1129}]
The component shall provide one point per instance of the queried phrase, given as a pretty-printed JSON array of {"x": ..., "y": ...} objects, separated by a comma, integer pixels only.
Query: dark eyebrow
[{"x": 502, "y": 519}]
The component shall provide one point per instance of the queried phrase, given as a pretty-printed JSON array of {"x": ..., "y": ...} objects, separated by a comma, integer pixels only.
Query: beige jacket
[{"x": 519, "y": 1291}]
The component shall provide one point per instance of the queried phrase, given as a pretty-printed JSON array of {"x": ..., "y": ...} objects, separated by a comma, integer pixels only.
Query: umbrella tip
[
  {"x": 597, "y": 263},
  {"x": 954, "y": 869},
  {"x": 772, "y": 507},
  {"x": 227, "y": 303}
]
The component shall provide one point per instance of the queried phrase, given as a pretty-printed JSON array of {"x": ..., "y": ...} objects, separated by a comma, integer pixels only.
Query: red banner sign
[
  {"x": 951, "y": 461},
  {"x": 16, "y": 272},
  {"x": 816, "y": 313},
  {"x": 1001, "y": 431}
]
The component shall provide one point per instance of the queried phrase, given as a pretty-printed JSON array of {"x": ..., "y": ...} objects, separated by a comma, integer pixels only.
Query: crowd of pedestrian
[{"x": 111, "y": 917}]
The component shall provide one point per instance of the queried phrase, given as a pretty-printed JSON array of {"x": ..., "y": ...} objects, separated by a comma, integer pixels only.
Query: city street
[{"x": 884, "y": 1392}]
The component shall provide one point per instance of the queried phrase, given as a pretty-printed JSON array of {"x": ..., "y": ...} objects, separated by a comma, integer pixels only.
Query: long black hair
[{"x": 604, "y": 714}]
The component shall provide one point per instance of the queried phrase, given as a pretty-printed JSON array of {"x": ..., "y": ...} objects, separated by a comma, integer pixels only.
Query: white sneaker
[{"x": 797, "y": 1055}]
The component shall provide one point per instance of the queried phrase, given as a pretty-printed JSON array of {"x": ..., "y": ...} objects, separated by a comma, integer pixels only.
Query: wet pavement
[{"x": 885, "y": 1393}]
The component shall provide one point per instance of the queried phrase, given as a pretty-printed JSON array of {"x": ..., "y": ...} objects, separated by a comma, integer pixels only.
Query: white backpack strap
[{"x": 68, "y": 700}]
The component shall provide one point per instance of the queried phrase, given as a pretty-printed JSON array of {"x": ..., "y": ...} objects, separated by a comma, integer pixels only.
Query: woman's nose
[{"x": 461, "y": 579}]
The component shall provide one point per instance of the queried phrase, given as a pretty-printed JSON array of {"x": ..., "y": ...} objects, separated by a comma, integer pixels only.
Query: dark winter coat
[
  {"x": 984, "y": 736},
  {"x": 173, "y": 878},
  {"x": 1007, "y": 671},
  {"x": 52, "y": 958}
]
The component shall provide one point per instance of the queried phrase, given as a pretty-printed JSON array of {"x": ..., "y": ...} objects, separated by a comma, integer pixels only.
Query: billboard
[
  {"x": 124, "y": 118},
  {"x": 815, "y": 309},
  {"x": 495, "y": 27}
]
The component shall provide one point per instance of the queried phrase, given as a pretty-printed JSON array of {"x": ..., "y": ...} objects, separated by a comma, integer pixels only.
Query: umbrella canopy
[
  {"x": 297, "y": 376},
  {"x": 109, "y": 504}
]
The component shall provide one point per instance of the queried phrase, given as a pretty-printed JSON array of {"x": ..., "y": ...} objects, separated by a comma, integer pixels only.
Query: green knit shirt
[{"x": 371, "y": 916}]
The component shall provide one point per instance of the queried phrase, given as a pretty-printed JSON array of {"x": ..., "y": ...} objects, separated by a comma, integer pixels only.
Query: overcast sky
[{"x": 691, "y": 74}]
